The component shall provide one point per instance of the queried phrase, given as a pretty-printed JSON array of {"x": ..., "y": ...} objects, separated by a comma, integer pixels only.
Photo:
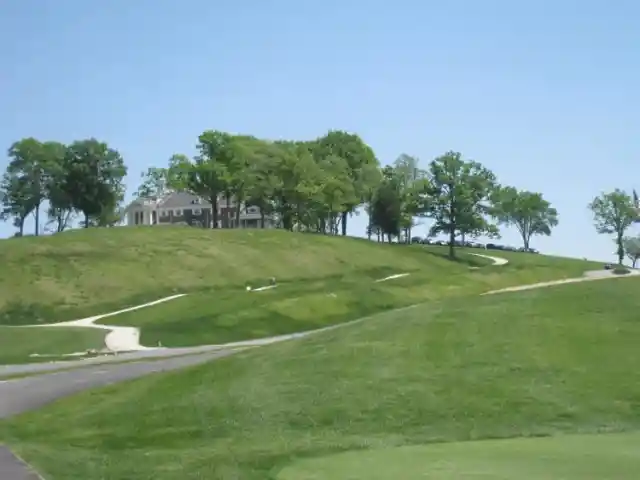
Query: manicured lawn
[
  {"x": 540, "y": 362},
  {"x": 225, "y": 315},
  {"x": 566, "y": 457},
  {"x": 77, "y": 274},
  {"x": 16, "y": 344}
]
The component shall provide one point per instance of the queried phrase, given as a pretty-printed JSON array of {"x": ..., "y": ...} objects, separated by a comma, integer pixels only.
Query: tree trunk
[
  {"x": 344, "y": 223},
  {"x": 620, "y": 251},
  {"x": 21, "y": 227},
  {"x": 37, "y": 217},
  {"x": 86, "y": 221},
  {"x": 238, "y": 214},
  {"x": 452, "y": 239},
  {"x": 261, "y": 218},
  {"x": 633, "y": 265},
  {"x": 214, "y": 211}
]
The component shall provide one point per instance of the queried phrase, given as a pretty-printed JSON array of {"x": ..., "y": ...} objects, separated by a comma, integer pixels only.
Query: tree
[
  {"x": 60, "y": 211},
  {"x": 360, "y": 158},
  {"x": 94, "y": 178},
  {"x": 631, "y": 247},
  {"x": 154, "y": 184},
  {"x": 528, "y": 211},
  {"x": 28, "y": 166},
  {"x": 262, "y": 182},
  {"x": 17, "y": 200},
  {"x": 386, "y": 208},
  {"x": 458, "y": 197},
  {"x": 207, "y": 175},
  {"x": 613, "y": 213},
  {"x": 412, "y": 186}
]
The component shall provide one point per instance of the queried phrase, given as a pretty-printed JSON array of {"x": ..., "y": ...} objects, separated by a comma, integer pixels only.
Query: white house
[{"x": 182, "y": 208}]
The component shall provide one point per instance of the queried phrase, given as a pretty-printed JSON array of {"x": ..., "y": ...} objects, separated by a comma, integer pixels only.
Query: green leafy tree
[
  {"x": 360, "y": 158},
  {"x": 528, "y": 211},
  {"x": 413, "y": 185},
  {"x": 17, "y": 200},
  {"x": 29, "y": 166},
  {"x": 154, "y": 183},
  {"x": 458, "y": 197},
  {"x": 631, "y": 247},
  {"x": 60, "y": 211},
  {"x": 386, "y": 207},
  {"x": 261, "y": 180},
  {"x": 299, "y": 187},
  {"x": 207, "y": 175},
  {"x": 613, "y": 213},
  {"x": 94, "y": 178}
]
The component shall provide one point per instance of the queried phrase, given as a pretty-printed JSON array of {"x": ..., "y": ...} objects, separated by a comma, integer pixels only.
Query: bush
[{"x": 620, "y": 270}]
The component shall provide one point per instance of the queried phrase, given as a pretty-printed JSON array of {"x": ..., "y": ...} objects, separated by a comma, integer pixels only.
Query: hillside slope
[
  {"x": 540, "y": 362},
  {"x": 87, "y": 272}
]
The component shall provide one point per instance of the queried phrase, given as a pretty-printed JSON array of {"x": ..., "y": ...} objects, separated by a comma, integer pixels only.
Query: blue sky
[{"x": 544, "y": 93}]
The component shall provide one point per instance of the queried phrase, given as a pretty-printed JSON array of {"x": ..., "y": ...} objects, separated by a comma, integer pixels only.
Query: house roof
[{"x": 182, "y": 200}]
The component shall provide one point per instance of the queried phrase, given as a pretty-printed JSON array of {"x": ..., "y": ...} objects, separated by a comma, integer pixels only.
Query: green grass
[
  {"x": 567, "y": 457},
  {"x": 82, "y": 273},
  {"x": 227, "y": 314},
  {"x": 535, "y": 363},
  {"x": 16, "y": 344}
]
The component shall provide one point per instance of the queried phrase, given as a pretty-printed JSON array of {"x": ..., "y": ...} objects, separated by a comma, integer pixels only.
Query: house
[{"x": 182, "y": 208}]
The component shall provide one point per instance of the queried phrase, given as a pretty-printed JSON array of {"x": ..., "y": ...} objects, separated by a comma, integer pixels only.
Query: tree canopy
[
  {"x": 528, "y": 211},
  {"x": 613, "y": 214}
]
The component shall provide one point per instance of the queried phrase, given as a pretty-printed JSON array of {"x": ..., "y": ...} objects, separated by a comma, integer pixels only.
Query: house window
[
  {"x": 197, "y": 211},
  {"x": 178, "y": 212}
]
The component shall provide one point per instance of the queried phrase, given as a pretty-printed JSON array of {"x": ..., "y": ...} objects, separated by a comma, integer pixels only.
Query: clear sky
[{"x": 545, "y": 93}]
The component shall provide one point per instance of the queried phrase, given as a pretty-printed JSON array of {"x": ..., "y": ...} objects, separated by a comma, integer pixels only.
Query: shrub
[{"x": 620, "y": 270}]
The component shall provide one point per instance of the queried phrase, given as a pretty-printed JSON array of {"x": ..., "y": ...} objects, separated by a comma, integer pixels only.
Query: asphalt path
[{"x": 24, "y": 394}]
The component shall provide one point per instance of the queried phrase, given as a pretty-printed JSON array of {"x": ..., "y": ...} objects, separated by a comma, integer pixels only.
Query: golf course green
[{"x": 566, "y": 457}]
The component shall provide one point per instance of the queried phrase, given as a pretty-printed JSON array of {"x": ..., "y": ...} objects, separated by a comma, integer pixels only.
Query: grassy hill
[
  {"x": 553, "y": 361},
  {"x": 17, "y": 344},
  {"x": 81, "y": 273}
]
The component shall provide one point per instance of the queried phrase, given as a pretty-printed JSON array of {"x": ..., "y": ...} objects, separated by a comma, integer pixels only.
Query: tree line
[{"x": 312, "y": 186}]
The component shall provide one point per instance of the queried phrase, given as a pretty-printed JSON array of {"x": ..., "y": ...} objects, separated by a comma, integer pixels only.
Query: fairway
[
  {"x": 17, "y": 344},
  {"x": 566, "y": 457},
  {"x": 553, "y": 361}
]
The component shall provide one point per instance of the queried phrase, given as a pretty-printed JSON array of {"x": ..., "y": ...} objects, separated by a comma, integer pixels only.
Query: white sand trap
[
  {"x": 262, "y": 289},
  {"x": 118, "y": 339},
  {"x": 496, "y": 260},
  {"x": 391, "y": 277}
]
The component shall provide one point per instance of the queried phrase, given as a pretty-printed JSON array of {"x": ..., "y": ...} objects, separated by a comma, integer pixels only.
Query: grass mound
[
  {"x": 17, "y": 344},
  {"x": 534, "y": 363},
  {"x": 83, "y": 273}
]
